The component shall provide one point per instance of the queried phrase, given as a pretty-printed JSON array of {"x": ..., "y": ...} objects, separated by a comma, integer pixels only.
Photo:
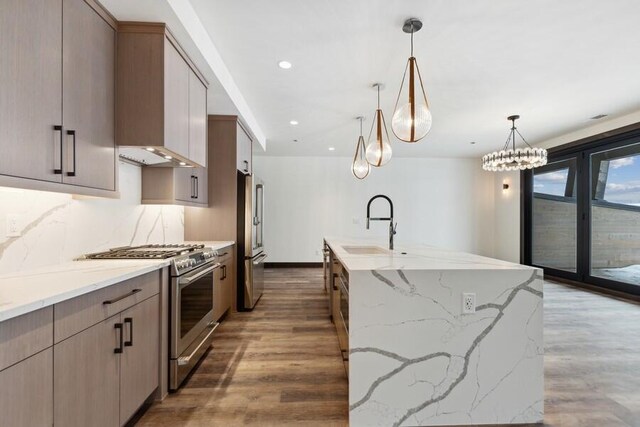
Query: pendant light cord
[
  {"x": 378, "y": 86},
  {"x": 360, "y": 126}
]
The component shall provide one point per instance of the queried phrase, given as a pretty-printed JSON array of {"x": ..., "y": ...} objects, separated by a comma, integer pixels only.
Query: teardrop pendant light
[
  {"x": 411, "y": 115},
  {"x": 360, "y": 167},
  {"x": 379, "y": 149}
]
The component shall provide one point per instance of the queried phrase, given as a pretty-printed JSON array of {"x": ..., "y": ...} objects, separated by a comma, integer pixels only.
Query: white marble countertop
[
  {"x": 24, "y": 291},
  {"x": 411, "y": 257}
]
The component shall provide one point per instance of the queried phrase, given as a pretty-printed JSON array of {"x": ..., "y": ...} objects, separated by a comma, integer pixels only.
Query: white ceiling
[{"x": 556, "y": 63}]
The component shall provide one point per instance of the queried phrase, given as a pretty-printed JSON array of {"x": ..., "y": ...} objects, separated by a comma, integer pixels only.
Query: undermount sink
[{"x": 365, "y": 250}]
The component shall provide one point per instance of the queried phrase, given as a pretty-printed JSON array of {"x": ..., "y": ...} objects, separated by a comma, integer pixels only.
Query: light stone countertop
[
  {"x": 25, "y": 291},
  {"x": 411, "y": 257}
]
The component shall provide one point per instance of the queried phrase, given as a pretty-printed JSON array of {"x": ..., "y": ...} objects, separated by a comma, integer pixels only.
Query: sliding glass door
[
  {"x": 615, "y": 214},
  {"x": 581, "y": 218}
]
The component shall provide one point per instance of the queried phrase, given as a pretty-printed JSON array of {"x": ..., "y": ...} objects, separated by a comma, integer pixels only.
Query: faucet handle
[{"x": 394, "y": 227}]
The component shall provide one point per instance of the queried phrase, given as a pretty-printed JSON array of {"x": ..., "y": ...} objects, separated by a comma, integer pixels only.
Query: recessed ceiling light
[
  {"x": 332, "y": 148},
  {"x": 150, "y": 149},
  {"x": 183, "y": 164},
  {"x": 295, "y": 140},
  {"x": 293, "y": 122},
  {"x": 168, "y": 157},
  {"x": 599, "y": 116},
  {"x": 472, "y": 143},
  {"x": 285, "y": 65}
]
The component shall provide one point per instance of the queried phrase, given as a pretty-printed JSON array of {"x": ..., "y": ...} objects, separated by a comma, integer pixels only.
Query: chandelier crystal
[
  {"x": 512, "y": 158},
  {"x": 360, "y": 166},
  {"x": 412, "y": 119},
  {"x": 378, "y": 151}
]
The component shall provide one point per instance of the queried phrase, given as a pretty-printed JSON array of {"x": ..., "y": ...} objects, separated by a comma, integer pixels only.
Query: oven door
[{"x": 192, "y": 307}]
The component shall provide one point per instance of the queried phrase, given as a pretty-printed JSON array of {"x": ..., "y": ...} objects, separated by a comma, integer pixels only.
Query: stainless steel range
[{"x": 193, "y": 279}]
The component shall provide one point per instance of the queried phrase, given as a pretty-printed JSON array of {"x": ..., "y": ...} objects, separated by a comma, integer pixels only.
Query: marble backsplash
[{"x": 56, "y": 228}]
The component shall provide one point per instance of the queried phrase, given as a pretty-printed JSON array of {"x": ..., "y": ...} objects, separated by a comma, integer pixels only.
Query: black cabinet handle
[
  {"x": 129, "y": 320},
  {"x": 197, "y": 189},
  {"x": 224, "y": 272},
  {"x": 121, "y": 297},
  {"x": 246, "y": 165},
  {"x": 73, "y": 134},
  {"x": 119, "y": 349},
  {"x": 193, "y": 184},
  {"x": 58, "y": 171}
]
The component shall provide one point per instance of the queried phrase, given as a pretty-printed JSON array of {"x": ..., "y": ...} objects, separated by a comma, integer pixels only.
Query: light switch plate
[{"x": 13, "y": 226}]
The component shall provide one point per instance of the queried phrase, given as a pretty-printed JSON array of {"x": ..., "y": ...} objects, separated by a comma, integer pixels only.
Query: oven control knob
[{"x": 192, "y": 262}]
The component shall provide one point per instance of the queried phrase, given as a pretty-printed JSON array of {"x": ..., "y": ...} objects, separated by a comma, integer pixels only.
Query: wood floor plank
[{"x": 280, "y": 365}]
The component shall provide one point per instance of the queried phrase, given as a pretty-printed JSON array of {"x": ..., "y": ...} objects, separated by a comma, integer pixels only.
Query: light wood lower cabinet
[
  {"x": 224, "y": 284},
  {"x": 103, "y": 374},
  {"x": 87, "y": 377},
  {"x": 26, "y": 395},
  {"x": 138, "y": 362}
]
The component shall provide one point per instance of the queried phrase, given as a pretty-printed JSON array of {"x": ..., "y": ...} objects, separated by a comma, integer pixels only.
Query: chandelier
[{"x": 511, "y": 159}]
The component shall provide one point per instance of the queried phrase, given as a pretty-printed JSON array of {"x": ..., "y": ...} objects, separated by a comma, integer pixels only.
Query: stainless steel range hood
[{"x": 157, "y": 157}]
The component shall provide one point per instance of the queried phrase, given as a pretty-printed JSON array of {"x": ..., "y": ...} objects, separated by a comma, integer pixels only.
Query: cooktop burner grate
[{"x": 158, "y": 251}]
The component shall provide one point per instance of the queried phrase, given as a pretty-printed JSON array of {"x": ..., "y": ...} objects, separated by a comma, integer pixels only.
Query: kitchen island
[{"x": 414, "y": 357}]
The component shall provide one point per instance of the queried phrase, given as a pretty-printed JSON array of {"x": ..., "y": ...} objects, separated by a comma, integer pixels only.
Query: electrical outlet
[
  {"x": 468, "y": 303},
  {"x": 13, "y": 228}
]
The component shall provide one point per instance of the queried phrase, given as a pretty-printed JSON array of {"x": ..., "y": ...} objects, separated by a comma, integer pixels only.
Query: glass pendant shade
[
  {"x": 512, "y": 158},
  {"x": 360, "y": 167},
  {"x": 378, "y": 147},
  {"x": 411, "y": 117}
]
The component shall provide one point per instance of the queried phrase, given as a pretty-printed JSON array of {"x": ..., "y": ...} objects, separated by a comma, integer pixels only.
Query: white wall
[
  {"x": 58, "y": 227},
  {"x": 507, "y": 206},
  {"x": 442, "y": 202}
]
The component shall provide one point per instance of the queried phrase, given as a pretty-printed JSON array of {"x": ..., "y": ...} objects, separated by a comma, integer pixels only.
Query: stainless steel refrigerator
[{"x": 251, "y": 254}]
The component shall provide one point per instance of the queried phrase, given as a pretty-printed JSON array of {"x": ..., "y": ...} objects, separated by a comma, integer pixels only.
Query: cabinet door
[
  {"x": 26, "y": 392},
  {"x": 140, "y": 359},
  {"x": 86, "y": 377},
  {"x": 202, "y": 186},
  {"x": 221, "y": 291},
  {"x": 184, "y": 184},
  {"x": 176, "y": 101},
  {"x": 30, "y": 88},
  {"x": 88, "y": 97},
  {"x": 244, "y": 151},
  {"x": 197, "y": 120}
]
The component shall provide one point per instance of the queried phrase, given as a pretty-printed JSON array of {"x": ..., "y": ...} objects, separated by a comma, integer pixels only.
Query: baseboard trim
[
  {"x": 293, "y": 265},
  {"x": 595, "y": 289}
]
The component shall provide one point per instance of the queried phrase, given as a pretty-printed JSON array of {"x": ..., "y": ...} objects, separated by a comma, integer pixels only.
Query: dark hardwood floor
[{"x": 280, "y": 364}]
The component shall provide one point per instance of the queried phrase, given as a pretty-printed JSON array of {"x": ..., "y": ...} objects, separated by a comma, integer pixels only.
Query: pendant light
[
  {"x": 411, "y": 115},
  {"x": 510, "y": 159},
  {"x": 360, "y": 167},
  {"x": 378, "y": 151}
]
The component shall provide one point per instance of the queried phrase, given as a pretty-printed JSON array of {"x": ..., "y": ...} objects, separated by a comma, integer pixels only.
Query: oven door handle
[
  {"x": 186, "y": 359},
  {"x": 259, "y": 259},
  {"x": 193, "y": 278}
]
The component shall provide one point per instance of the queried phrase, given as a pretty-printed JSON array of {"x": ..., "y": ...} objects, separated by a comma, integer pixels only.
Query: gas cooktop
[{"x": 145, "y": 252}]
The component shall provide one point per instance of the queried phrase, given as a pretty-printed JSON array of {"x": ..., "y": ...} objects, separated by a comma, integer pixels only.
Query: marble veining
[
  {"x": 415, "y": 359},
  {"x": 57, "y": 228}
]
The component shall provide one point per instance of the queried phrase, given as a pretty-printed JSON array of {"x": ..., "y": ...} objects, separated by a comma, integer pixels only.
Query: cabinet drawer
[
  {"x": 25, "y": 335},
  {"x": 224, "y": 254},
  {"x": 79, "y": 313}
]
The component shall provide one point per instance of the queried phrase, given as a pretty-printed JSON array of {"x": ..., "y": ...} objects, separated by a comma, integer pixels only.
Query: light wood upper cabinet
[
  {"x": 197, "y": 120},
  {"x": 175, "y": 186},
  {"x": 59, "y": 57},
  {"x": 244, "y": 155},
  {"x": 89, "y": 97},
  {"x": 161, "y": 94},
  {"x": 176, "y": 102},
  {"x": 30, "y": 88}
]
